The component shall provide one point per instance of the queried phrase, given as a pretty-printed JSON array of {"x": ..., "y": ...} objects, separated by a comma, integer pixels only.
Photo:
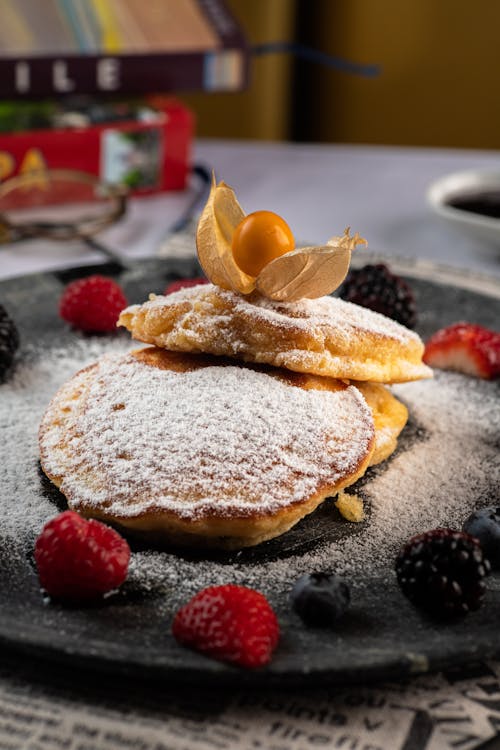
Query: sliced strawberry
[{"x": 467, "y": 348}]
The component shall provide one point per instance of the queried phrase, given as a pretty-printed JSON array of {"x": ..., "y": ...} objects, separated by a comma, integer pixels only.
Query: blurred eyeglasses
[
  {"x": 63, "y": 204},
  {"x": 59, "y": 204}
]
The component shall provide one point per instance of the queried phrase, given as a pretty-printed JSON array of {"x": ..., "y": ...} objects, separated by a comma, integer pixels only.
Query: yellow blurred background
[{"x": 438, "y": 83}]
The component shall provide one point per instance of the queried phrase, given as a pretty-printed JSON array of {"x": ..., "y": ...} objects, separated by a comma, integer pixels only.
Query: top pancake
[{"x": 325, "y": 336}]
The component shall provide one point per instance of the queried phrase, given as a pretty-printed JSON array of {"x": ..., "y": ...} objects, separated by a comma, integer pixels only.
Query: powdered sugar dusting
[
  {"x": 436, "y": 479},
  {"x": 222, "y": 440},
  {"x": 308, "y": 314},
  {"x": 436, "y": 482},
  {"x": 335, "y": 312},
  {"x": 325, "y": 336},
  {"x": 23, "y": 400}
]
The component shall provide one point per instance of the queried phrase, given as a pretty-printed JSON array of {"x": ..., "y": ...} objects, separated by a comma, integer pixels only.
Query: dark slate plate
[{"x": 382, "y": 636}]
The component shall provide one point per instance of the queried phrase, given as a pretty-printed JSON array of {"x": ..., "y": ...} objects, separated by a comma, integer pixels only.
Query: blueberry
[
  {"x": 484, "y": 524},
  {"x": 320, "y": 598}
]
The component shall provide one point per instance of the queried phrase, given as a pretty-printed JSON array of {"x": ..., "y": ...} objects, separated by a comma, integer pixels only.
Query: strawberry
[
  {"x": 79, "y": 559},
  {"x": 174, "y": 286},
  {"x": 230, "y": 623},
  {"x": 92, "y": 304},
  {"x": 467, "y": 348}
]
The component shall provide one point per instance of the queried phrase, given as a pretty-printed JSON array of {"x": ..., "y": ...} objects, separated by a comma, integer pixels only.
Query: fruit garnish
[
  {"x": 230, "y": 623},
  {"x": 258, "y": 239},
  {"x": 92, "y": 304},
  {"x": 376, "y": 287},
  {"x": 320, "y": 598},
  {"x": 484, "y": 524},
  {"x": 443, "y": 572},
  {"x": 214, "y": 236},
  {"x": 78, "y": 560},
  {"x": 9, "y": 341},
  {"x": 278, "y": 272},
  {"x": 467, "y": 348},
  {"x": 308, "y": 272},
  {"x": 174, "y": 286}
]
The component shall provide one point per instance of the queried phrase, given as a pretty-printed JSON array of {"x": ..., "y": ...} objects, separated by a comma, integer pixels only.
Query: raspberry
[
  {"x": 375, "y": 287},
  {"x": 9, "y": 341},
  {"x": 174, "y": 286},
  {"x": 78, "y": 559},
  {"x": 230, "y": 623},
  {"x": 92, "y": 304},
  {"x": 320, "y": 598},
  {"x": 443, "y": 571}
]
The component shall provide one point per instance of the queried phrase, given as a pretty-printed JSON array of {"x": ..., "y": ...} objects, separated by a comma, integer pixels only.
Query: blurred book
[{"x": 61, "y": 47}]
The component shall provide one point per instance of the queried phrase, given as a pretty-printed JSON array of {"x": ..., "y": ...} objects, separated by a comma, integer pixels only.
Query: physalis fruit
[{"x": 258, "y": 239}]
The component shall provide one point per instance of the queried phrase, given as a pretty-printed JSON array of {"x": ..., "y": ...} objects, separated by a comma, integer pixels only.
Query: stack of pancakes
[{"x": 239, "y": 418}]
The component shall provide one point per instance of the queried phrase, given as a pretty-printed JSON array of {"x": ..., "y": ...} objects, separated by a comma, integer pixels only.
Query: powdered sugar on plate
[
  {"x": 435, "y": 480},
  {"x": 23, "y": 400},
  {"x": 448, "y": 467}
]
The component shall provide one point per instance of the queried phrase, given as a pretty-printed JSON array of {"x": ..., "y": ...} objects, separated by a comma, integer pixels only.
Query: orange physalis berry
[{"x": 259, "y": 238}]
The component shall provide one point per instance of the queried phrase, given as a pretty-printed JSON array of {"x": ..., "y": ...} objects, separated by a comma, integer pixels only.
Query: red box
[{"x": 149, "y": 156}]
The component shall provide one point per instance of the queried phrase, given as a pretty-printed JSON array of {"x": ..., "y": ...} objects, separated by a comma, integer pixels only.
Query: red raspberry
[
  {"x": 79, "y": 559},
  {"x": 92, "y": 304},
  {"x": 174, "y": 286},
  {"x": 231, "y": 623}
]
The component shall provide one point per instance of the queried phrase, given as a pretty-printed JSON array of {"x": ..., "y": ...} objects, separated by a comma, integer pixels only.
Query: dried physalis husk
[
  {"x": 220, "y": 217},
  {"x": 308, "y": 272}
]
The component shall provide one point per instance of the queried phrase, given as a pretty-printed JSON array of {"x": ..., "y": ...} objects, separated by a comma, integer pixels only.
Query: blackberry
[
  {"x": 484, "y": 524},
  {"x": 320, "y": 598},
  {"x": 9, "y": 341},
  {"x": 443, "y": 572},
  {"x": 375, "y": 287}
]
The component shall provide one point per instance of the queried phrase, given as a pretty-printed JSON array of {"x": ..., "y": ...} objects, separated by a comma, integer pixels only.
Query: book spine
[{"x": 222, "y": 70}]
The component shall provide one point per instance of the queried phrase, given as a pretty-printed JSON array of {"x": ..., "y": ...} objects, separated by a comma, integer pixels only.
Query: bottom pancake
[
  {"x": 193, "y": 450},
  {"x": 389, "y": 416}
]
